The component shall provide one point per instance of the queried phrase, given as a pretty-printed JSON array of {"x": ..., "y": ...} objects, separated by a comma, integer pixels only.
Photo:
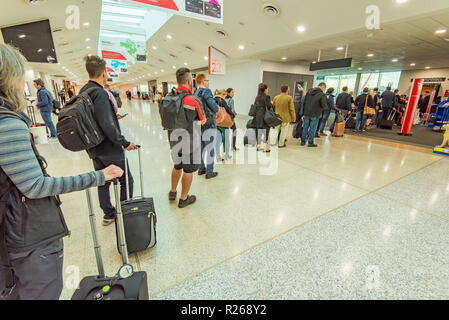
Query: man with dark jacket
[
  {"x": 45, "y": 105},
  {"x": 388, "y": 102},
  {"x": 344, "y": 102},
  {"x": 362, "y": 101},
  {"x": 315, "y": 104},
  {"x": 110, "y": 151}
]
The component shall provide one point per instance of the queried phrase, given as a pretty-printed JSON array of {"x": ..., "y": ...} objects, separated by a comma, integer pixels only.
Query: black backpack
[
  {"x": 173, "y": 115},
  {"x": 77, "y": 129},
  {"x": 210, "y": 115}
]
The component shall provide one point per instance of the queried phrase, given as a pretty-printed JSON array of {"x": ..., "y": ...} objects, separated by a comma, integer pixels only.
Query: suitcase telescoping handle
[
  {"x": 120, "y": 224},
  {"x": 93, "y": 227},
  {"x": 139, "y": 151}
]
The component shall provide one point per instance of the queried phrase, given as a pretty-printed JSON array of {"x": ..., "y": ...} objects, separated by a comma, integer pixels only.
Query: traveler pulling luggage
[
  {"x": 126, "y": 284},
  {"x": 139, "y": 217},
  {"x": 350, "y": 121}
]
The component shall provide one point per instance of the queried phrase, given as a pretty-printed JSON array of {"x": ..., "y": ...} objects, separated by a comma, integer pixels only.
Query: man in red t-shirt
[{"x": 193, "y": 114}]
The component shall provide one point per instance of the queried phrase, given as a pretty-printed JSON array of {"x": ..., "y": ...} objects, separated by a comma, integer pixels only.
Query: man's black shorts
[{"x": 187, "y": 165}]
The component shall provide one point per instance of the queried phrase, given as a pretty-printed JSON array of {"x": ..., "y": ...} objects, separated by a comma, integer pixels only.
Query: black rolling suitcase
[
  {"x": 350, "y": 121},
  {"x": 127, "y": 284},
  {"x": 139, "y": 217},
  {"x": 389, "y": 122}
]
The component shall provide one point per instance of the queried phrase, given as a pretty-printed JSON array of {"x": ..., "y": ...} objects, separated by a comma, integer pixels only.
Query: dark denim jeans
[
  {"x": 103, "y": 192},
  {"x": 312, "y": 123},
  {"x": 360, "y": 121},
  {"x": 208, "y": 150},
  {"x": 46, "y": 116}
]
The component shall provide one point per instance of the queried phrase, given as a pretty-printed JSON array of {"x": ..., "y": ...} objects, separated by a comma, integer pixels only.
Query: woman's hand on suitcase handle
[
  {"x": 132, "y": 146},
  {"x": 112, "y": 172}
]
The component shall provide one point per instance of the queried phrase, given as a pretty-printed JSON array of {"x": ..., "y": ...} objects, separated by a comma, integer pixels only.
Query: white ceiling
[
  {"x": 71, "y": 45},
  {"x": 407, "y": 34}
]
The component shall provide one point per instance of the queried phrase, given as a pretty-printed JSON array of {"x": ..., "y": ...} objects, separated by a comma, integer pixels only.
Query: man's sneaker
[
  {"x": 282, "y": 146},
  {"x": 108, "y": 221},
  {"x": 172, "y": 196},
  {"x": 323, "y": 134},
  {"x": 212, "y": 175},
  {"x": 354, "y": 130},
  {"x": 186, "y": 202},
  {"x": 312, "y": 145},
  {"x": 200, "y": 173},
  {"x": 219, "y": 159},
  {"x": 228, "y": 157},
  {"x": 303, "y": 144}
]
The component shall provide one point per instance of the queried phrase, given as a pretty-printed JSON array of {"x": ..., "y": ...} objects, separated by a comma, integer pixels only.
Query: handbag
[
  {"x": 272, "y": 119},
  {"x": 367, "y": 110},
  {"x": 252, "y": 111},
  {"x": 223, "y": 118}
]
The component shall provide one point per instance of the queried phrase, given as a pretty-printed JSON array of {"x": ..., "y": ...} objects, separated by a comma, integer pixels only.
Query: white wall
[
  {"x": 405, "y": 84},
  {"x": 244, "y": 78}
]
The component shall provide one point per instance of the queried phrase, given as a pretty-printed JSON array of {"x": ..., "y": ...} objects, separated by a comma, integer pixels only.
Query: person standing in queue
[
  {"x": 45, "y": 106},
  {"x": 230, "y": 101},
  {"x": 110, "y": 151},
  {"x": 315, "y": 104},
  {"x": 284, "y": 106},
  {"x": 32, "y": 224},
  {"x": 209, "y": 134},
  {"x": 362, "y": 101}
]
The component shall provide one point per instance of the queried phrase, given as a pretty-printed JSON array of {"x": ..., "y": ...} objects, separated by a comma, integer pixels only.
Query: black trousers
[{"x": 103, "y": 191}]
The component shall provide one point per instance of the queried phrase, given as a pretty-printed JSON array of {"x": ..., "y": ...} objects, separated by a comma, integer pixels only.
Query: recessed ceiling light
[
  {"x": 412, "y": 64},
  {"x": 313, "y": 62},
  {"x": 155, "y": 72},
  {"x": 22, "y": 36},
  {"x": 370, "y": 55},
  {"x": 174, "y": 67},
  {"x": 88, "y": 47},
  {"x": 86, "y": 24},
  {"x": 377, "y": 70},
  {"x": 401, "y": 1},
  {"x": 441, "y": 31},
  {"x": 360, "y": 68},
  {"x": 169, "y": 37},
  {"x": 427, "y": 68},
  {"x": 301, "y": 28},
  {"x": 186, "y": 64},
  {"x": 206, "y": 58},
  {"x": 162, "y": 70},
  {"x": 394, "y": 60},
  {"x": 340, "y": 48},
  {"x": 241, "y": 47},
  {"x": 87, "y": 39},
  {"x": 154, "y": 47},
  {"x": 284, "y": 58}
]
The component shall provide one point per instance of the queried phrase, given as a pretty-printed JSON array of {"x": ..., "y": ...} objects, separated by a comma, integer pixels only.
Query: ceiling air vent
[
  {"x": 221, "y": 33},
  {"x": 173, "y": 56},
  {"x": 188, "y": 48},
  {"x": 271, "y": 10}
]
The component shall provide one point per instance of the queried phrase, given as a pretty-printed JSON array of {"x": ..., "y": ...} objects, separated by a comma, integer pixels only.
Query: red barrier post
[{"x": 411, "y": 107}]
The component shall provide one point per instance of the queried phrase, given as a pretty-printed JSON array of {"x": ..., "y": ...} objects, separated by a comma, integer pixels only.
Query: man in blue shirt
[
  {"x": 210, "y": 134},
  {"x": 45, "y": 105}
]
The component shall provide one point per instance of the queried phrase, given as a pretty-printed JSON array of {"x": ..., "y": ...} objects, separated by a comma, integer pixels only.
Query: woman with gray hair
[{"x": 31, "y": 221}]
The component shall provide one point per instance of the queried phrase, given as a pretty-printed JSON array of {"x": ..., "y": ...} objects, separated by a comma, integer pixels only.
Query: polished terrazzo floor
[{"x": 354, "y": 218}]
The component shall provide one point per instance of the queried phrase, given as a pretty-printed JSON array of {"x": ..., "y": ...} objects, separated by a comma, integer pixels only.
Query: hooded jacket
[{"x": 315, "y": 103}]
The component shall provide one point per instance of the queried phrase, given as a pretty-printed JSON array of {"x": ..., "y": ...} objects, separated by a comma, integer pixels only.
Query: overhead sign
[
  {"x": 332, "y": 64},
  {"x": 117, "y": 66},
  {"x": 209, "y": 10},
  {"x": 434, "y": 79},
  {"x": 124, "y": 50},
  {"x": 217, "y": 62}
]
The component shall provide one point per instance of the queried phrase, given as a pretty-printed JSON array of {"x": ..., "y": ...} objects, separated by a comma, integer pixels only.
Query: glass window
[
  {"x": 332, "y": 82},
  {"x": 389, "y": 79},
  {"x": 368, "y": 80},
  {"x": 347, "y": 80}
]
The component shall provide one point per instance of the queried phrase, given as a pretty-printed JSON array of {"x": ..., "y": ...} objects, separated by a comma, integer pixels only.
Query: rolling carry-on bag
[
  {"x": 127, "y": 284},
  {"x": 339, "y": 129},
  {"x": 139, "y": 217},
  {"x": 388, "y": 123}
]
